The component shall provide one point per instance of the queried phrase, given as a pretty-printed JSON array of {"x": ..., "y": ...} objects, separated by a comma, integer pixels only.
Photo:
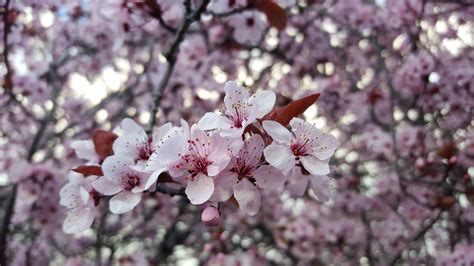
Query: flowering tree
[{"x": 247, "y": 132}]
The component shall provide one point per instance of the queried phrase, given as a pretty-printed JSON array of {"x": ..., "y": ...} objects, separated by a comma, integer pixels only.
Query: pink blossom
[
  {"x": 249, "y": 27},
  {"x": 135, "y": 144},
  {"x": 241, "y": 110},
  {"x": 245, "y": 174},
  {"x": 81, "y": 199},
  {"x": 121, "y": 181},
  {"x": 194, "y": 156},
  {"x": 305, "y": 148}
]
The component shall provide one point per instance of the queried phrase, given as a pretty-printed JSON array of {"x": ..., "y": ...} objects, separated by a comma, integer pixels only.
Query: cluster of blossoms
[
  {"x": 222, "y": 156},
  {"x": 396, "y": 84}
]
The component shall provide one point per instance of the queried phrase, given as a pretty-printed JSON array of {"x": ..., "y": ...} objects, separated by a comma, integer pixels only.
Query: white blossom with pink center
[
  {"x": 241, "y": 110},
  {"x": 246, "y": 175},
  {"x": 81, "y": 199},
  {"x": 135, "y": 144},
  {"x": 120, "y": 180},
  {"x": 249, "y": 27},
  {"x": 304, "y": 152},
  {"x": 194, "y": 156}
]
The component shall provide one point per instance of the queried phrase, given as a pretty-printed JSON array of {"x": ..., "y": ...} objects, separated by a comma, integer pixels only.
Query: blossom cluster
[{"x": 234, "y": 154}]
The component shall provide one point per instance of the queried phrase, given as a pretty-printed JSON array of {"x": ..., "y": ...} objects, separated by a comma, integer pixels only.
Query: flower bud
[{"x": 210, "y": 216}]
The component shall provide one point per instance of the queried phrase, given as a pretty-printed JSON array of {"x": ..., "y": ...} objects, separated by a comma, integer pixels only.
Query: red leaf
[
  {"x": 88, "y": 170},
  {"x": 284, "y": 114},
  {"x": 103, "y": 141},
  {"x": 276, "y": 15}
]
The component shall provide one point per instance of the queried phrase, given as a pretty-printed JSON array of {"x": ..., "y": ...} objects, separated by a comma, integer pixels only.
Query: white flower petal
[
  {"x": 124, "y": 202},
  {"x": 223, "y": 186},
  {"x": 115, "y": 165},
  {"x": 321, "y": 186},
  {"x": 279, "y": 156},
  {"x": 234, "y": 94},
  {"x": 248, "y": 197},
  {"x": 278, "y": 132},
  {"x": 210, "y": 121},
  {"x": 315, "y": 166},
  {"x": 200, "y": 190},
  {"x": 265, "y": 100},
  {"x": 78, "y": 220},
  {"x": 268, "y": 177},
  {"x": 104, "y": 186},
  {"x": 298, "y": 182}
]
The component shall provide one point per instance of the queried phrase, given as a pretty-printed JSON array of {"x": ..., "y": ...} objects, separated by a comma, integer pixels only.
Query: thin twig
[{"x": 170, "y": 56}]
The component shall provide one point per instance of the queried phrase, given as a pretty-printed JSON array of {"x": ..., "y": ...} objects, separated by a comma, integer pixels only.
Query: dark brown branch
[{"x": 170, "y": 56}]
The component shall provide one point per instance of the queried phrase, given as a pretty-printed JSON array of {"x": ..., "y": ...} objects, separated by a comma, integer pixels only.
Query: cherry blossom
[
  {"x": 245, "y": 175},
  {"x": 121, "y": 181},
  {"x": 81, "y": 199},
  {"x": 194, "y": 156},
  {"x": 242, "y": 109}
]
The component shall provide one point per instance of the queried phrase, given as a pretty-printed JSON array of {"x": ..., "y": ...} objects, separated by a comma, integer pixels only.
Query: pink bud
[
  {"x": 420, "y": 162},
  {"x": 453, "y": 160},
  {"x": 210, "y": 216},
  {"x": 208, "y": 247}
]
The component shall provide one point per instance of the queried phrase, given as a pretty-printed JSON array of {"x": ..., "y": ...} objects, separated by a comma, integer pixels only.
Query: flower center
[
  {"x": 145, "y": 151},
  {"x": 197, "y": 159},
  {"x": 298, "y": 147},
  {"x": 131, "y": 181}
]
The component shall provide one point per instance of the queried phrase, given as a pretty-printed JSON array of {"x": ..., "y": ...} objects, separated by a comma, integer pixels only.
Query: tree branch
[{"x": 170, "y": 56}]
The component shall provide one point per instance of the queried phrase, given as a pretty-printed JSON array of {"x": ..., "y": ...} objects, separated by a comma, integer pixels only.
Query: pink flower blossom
[
  {"x": 249, "y": 27},
  {"x": 194, "y": 156},
  {"x": 81, "y": 199},
  {"x": 120, "y": 180},
  {"x": 245, "y": 174},
  {"x": 135, "y": 144},
  {"x": 304, "y": 152},
  {"x": 241, "y": 110}
]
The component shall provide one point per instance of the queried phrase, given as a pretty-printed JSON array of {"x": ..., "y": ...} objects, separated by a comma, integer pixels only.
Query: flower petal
[
  {"x": 210, "y": 121},
  {"x": 278, "y": 132},
  {"x": 200, "y": 190},
  {"x": 104, "y": 186},
  {"x": 248, "y": 197},
  {"x": 279, "y": 156},
  {"x": 298, "y": 182},
  {"x": 315, "y": 166},
  {"x": 78, "y": 220},
  {"x": 234, "y": 94},
  {"x": 223, "y": 186},
  {"x": 124, "y": 202},
  {"x": 268, "y": 177},
  {"x": 115, "y": 165},
  {"x": 321, "y": 186},
  {"x": 265, "y": 100}
]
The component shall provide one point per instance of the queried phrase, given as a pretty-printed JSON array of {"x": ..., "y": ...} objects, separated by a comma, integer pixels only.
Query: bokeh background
[{"x": 396, "y": 79}]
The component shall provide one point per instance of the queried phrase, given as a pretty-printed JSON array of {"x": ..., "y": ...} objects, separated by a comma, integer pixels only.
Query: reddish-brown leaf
[
  {"x": 103, "y": 141},
  {"x": 88, "y": 170},
  {"x": 276, "y": 15},
  {"x": 284, "y": 114}
]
